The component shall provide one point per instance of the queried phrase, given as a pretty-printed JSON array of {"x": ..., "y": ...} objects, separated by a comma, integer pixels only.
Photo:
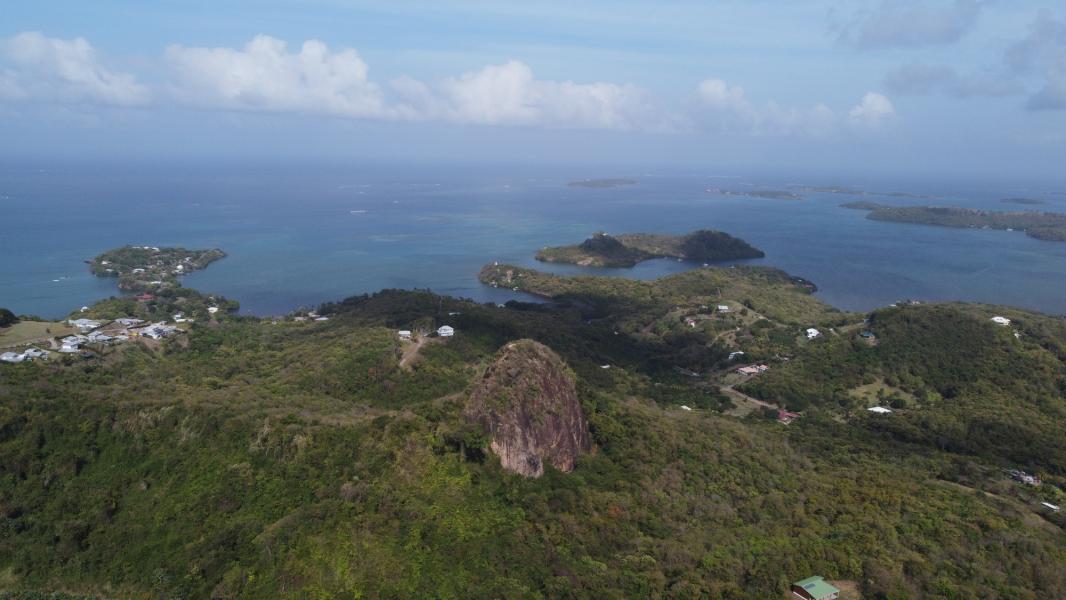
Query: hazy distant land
[
  {"x": 1022, "y": 201},
  {"x": 626, "y": 250},
  {"x": 1039, "y": 225},
  {"x": 768, "y": 194},
  {"x": 849, "y": 191},
  {"x": 602, "y": 183}
]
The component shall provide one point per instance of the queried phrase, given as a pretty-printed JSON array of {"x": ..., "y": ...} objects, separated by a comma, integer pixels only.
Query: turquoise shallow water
[{"x": 298, "y": 236}]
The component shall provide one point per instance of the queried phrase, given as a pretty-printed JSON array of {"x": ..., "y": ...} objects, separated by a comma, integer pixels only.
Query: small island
[
  {"x": 850, "y": 191},
  {"x": 626, "y": 250},
  {"x": 141, "y": 268},
  {"x": 767, "y": 194},
  {"x": 1022, "y": 201},
  {"x": 602, "y": 183},
  {"x": 1040, "y": 225}
]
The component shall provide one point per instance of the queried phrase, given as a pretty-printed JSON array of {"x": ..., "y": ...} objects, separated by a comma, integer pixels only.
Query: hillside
[
  {"x": 626, "y": 250},
  {"x": 299, "y": 459}
]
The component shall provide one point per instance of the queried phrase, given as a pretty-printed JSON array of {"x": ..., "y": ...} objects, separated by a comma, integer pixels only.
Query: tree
[{"x": 7, "y": 317}]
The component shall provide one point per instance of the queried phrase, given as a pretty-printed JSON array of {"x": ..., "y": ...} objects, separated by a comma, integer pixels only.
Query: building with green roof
[{"x": 814, "y": 588}]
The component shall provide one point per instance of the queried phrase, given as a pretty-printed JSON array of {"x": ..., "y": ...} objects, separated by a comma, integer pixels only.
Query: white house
[
  {"x": 735, "y": 355},
  {"x": 1050, "y": 506},
  {"x": 998, "y": 320},
  {"x": 68, "y": 348},
  {"x": 446, "y": 331},
  {"x": 723, "y": 308},
  {"x": 128, "y": 322},
  {"x": 813, "y": 333},
  {"x": 84, "y": 324},
  {"x": 11, "y": 357},
  {"x": 212, "y": 309},
  {"x": 881, "y": 410},
  {"x": 404, "y": 334}
]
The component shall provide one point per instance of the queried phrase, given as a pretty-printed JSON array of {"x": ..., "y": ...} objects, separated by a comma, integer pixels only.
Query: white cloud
[
  {"x": 872, "y": 111},
  {"x": 509, "y": 94},
  {"x": 907, "y": 23},
  {"x": 264, "y": 75},
  {"x": 35, "y": 67},
  {"x": 726, "y": 107}
]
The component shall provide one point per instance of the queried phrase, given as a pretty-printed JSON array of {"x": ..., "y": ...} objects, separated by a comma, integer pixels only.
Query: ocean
[{"x": 299, "y": 235}]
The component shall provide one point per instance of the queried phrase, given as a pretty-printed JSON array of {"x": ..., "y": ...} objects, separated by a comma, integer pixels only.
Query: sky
[{"x": 964, "y": 87}]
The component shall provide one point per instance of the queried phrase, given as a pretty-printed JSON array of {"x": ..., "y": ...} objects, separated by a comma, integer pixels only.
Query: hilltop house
[
  {"x": 1003, "y": 321},
  {"x": 813, "y": 333},
  {"x": 814, "y": 588},
  {"x": 404, "y": 334},
  {"x": 881, "y": 410},
  {"x": 84, "y": 325},
  {"x": 446, "y": 331}
]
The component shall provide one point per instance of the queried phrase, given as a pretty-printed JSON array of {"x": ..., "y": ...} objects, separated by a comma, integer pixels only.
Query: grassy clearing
[
  {"x": 874, "y": 393},
  {"x": 26, "y": 332}
]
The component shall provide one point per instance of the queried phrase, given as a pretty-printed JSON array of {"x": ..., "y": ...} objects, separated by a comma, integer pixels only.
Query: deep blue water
[{"x": 293, "y": 240}]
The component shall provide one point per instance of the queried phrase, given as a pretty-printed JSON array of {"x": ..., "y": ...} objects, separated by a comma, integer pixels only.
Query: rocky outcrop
[{"x": 527, "y": 403}]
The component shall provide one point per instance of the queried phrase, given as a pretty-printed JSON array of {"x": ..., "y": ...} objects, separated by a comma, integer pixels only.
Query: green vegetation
[
  {"x": 602, "y": 183},
  {"x": 626, "y": 250},
  {"x": 163, "y": 304},
  {"x": 1040, "y": 225},
  {"x": 149, "y": 268},
  {"x": 294, "y": 460},
  {"x": 155, "y": 272},
  {"x": 7, "y": 318}
]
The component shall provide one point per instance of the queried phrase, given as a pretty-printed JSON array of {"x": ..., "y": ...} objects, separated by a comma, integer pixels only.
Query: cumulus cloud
[
  {"x": 1043, "y": 52},
  {"x": 510, "y": 94},
  {"x": 872, "y": 111},
  {"x": 925, "y": 79},
  {"x": 907, "y": 23},
  {"x": 726, "y": 107},
  {"x": 265, "y": 75},
  {"x": 35, "y": 67}
]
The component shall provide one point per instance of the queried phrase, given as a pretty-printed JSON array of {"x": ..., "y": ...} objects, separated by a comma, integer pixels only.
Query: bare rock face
[{"x": 528, "y": 404}]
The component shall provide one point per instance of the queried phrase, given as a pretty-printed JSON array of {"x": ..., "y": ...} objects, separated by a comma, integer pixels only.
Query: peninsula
[
  {"x": 1040, "y": 225},
  {"x": 626, "y": 250},
  {"x": 141, "y": 268},
  {"x": 602, "y": 183}
]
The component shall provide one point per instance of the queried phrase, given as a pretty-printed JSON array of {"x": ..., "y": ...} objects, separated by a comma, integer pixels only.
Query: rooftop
[{"x": 816, "y": 587}]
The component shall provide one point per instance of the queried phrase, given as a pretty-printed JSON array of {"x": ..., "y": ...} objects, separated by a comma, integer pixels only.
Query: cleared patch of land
[
  {"x": 872, "y": 394},
  {"x": 29, "y": 332}
]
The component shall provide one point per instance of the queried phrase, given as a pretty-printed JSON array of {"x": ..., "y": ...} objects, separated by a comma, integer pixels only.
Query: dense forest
[{"x": 254, "y": 458}]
